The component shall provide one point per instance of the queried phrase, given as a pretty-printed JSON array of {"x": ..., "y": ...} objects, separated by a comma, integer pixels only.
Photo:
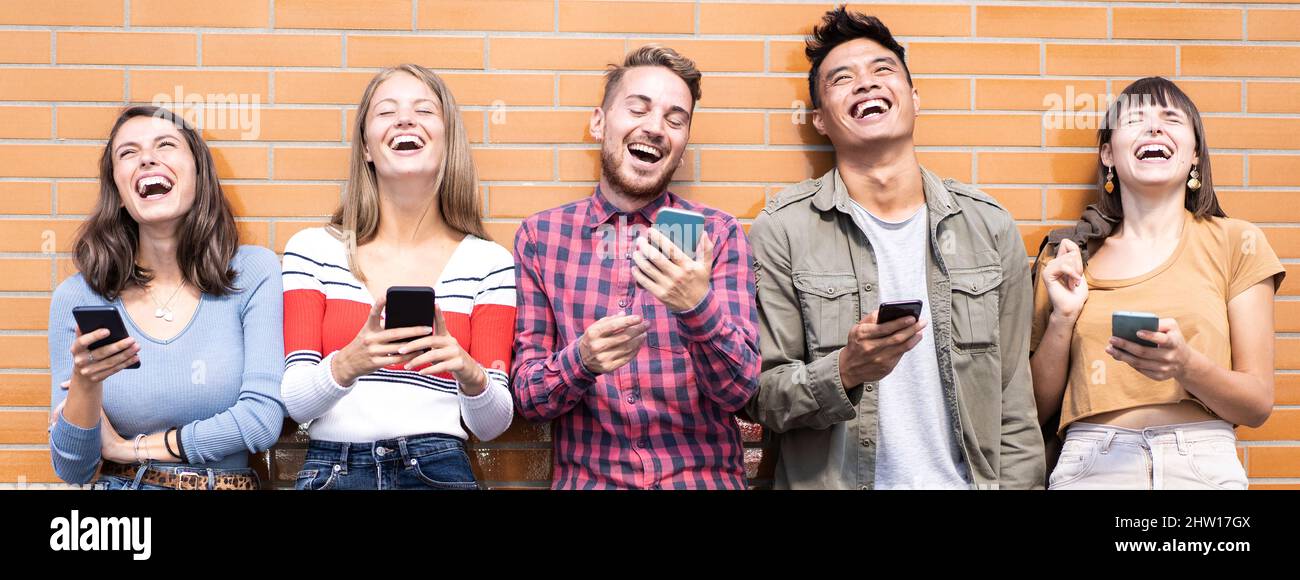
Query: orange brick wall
[{"x": 527, "y": 73}]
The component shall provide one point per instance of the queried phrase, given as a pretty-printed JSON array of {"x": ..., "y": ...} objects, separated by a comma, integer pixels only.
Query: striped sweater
[{"x": 325, "y": 306}]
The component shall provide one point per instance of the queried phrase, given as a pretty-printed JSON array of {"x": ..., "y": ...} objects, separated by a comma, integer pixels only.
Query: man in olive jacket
[{"x": 938, "y": 401}]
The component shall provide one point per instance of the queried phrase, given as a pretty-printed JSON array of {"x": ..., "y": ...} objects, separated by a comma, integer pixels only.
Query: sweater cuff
[
  {"x": 482, "y": 399},
  {"x": 74, "y": 440},
  {"x": 76, "y": 450},
  {"x": 314, "y": 392}
]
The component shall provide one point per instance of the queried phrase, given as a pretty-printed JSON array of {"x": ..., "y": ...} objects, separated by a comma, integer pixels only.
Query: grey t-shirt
[{"x": 915, "y": 444}]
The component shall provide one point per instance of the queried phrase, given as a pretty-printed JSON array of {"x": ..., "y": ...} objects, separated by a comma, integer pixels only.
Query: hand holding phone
[
  {"x": 872, "y": 348},
  {"x": 682, "y": 227},
  {"x": 1127, "y": 324},
  {"x": 409, "y": 306},
  {"x": 379, "y": 340},
  {"x": 1163, "y": 355},
  {"x": 102, "y": 346},
  {"x": 677, "y": 280}
]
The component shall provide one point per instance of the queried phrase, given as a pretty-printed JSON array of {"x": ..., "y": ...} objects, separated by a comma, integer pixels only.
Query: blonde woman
[{"x": 385, "y": 413}]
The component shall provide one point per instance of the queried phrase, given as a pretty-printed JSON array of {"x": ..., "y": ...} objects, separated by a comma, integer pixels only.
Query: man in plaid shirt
[{"x": 639, "y": 353}]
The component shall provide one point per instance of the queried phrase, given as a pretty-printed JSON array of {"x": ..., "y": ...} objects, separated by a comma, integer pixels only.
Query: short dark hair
[
  {"x": 654, "y": 55},
  {"x": 838, "y": 27}
]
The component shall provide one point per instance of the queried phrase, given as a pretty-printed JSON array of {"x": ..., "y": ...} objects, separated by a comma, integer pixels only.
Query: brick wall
[{"x": 527, "y": 73}]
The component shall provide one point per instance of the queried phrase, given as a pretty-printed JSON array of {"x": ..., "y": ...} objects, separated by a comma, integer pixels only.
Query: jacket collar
[{"x": 833, "y": 194}]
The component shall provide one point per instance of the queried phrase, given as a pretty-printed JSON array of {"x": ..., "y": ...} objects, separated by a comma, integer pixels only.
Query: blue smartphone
[
  {"x": 682, "y": 227},
  {"x": 1127, "y": 324}
]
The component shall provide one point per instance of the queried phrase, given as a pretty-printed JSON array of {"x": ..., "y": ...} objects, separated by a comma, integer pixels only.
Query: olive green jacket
[{"x": 816, "y": 278}]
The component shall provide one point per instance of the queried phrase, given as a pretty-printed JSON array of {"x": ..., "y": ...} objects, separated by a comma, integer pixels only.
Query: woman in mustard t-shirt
[{"x": 1159, "y": 417}]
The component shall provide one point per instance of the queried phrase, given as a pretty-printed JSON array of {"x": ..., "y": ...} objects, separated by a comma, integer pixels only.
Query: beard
[{"x": 641, "y": 189}]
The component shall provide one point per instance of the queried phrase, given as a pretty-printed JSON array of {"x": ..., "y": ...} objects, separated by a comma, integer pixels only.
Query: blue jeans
[
  {"x": 430, "y": 461},
  {"x": 114, "y": 482}
]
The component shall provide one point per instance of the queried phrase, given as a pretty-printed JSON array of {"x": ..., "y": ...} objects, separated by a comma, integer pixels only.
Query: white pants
[{"x": 1184, "y": 456}]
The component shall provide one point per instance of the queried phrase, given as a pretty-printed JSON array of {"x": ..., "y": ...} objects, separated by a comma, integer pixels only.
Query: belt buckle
[{"x": 201, "y": 480}]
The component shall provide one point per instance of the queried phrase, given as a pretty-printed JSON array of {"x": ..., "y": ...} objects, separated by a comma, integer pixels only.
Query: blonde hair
[{"x": 456, "y": 186}]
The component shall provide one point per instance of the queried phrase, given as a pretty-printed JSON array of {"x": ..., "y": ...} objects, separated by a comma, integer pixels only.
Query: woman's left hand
[
  {"x": 446, "y": 356},
  {"x": 1167, "y": 360},
  {"x": 112, "y": 446}
]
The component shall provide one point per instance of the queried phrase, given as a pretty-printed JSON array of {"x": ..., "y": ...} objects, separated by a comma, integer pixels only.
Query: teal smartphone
[
  {"x": 1127, "y": 324},
  {"x": 682, "y": 227}
]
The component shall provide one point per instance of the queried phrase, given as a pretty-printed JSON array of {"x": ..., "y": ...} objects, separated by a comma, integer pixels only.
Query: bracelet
[
  {"x": 180, "y": 445},
  {"x": 168, "y": 444},
  {"x": 138, "y": 439}
]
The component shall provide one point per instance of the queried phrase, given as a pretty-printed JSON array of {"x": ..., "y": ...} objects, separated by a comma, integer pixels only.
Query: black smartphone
[
  {"x": 409, "y": 306},
  {"x": 92, "y": 318},
  {"x": 891, "y": 311},
  {"x": 1127, "y": 324},
  {"x": 682, "y": 227}
]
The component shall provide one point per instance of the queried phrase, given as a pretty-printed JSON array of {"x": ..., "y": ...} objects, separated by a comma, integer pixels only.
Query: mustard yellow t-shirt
[{"x": 1216, "y": 259}]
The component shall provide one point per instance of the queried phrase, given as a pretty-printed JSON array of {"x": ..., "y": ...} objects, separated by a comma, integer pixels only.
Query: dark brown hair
[
  {"x": 838, "y": 27},
  {"x": 457, "y": 196},
  {"x": 654, "y": 55},
  {"x": 207, "y": 239},
  {"x": 1162, "y": 92}
]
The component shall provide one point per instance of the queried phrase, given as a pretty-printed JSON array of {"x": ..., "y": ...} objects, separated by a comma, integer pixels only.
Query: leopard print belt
[{"x": 182, "y": 478}]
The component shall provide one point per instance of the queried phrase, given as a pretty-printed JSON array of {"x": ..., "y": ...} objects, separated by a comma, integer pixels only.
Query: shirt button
[
  {"x": 867, "y": 287},
  {"x": 871, "y": 387},
  {"x": 862, "y": 487},
  {"x": 622, "y": 303},
  {"x": 866, "y": 443},
  {"x": 643, "y": 443},
  {"x": 830, "y": 291},
  {"x": 631, "y": 399},
  {"x": 380, "y": 451}
]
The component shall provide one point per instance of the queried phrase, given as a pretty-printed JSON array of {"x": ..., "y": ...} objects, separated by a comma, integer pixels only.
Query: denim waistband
[
  {"x": 1179, "y": 434},
  {"x": 373, "y": 452}
]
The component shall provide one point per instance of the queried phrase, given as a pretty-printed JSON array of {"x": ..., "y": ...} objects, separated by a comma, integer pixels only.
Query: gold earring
[
  {"x": 1194, "y": 183},
  {"x": 1110, "y": 183}
]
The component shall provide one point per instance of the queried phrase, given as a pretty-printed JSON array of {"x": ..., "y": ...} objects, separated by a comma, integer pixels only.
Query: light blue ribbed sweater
[{"x": 219, "y": 379}]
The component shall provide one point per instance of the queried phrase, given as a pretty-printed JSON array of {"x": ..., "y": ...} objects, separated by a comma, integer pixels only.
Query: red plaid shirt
[{"x": 666, "y": 419}]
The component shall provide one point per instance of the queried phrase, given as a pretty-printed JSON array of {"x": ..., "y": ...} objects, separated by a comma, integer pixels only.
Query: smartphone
[
  {"x": 682, "y": 227},
  {"x": 891, "y": 311},
  {"x": 409, "y": 306},
  {"x": 92, "y": 318},
  {"x": 1127, "y": 324}
]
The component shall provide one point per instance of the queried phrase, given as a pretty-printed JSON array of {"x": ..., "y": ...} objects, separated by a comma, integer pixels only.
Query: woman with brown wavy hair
[
  {"x": 1158, "y": 415},
  {"x": 203, "y": 314},
  {"x": 385, "y": 413}
]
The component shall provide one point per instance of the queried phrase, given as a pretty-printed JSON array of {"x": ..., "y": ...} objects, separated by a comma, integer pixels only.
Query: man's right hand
[
  {"x": 611, "y": 342},
  {"x": 873, "y": 350}
]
